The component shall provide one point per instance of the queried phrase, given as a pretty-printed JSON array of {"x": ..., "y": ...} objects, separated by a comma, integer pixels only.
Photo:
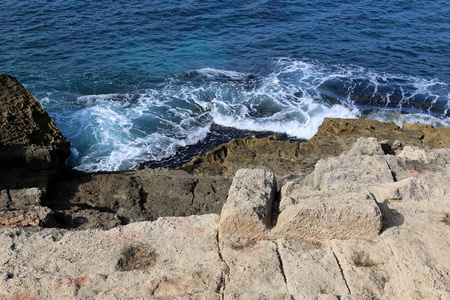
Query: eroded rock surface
[
  {"x": 333, "y": 137},
  {"x": 106, "y": 200},
  {"x": 370, "y": 223},
  {"x": 31, "y": 145},
  {"x": 399, "y": 251}
]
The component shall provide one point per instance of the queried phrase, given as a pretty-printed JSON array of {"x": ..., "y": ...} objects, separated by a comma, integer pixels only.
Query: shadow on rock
[{"x": 391, "y": 217}]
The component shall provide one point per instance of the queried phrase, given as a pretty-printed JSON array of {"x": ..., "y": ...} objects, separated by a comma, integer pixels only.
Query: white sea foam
[{"x": 118, "y": 131}]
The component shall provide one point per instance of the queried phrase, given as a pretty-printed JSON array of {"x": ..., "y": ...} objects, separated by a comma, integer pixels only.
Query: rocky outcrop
[
  {"x": 333, "y": 137},
  {"x": 376, "y": 237},
  {"x": 23, "y": 119},
  {"x": 32, "y": 151},
  {"x": 106, "y": 200},
  {"x": 355, "y": 218},
  {"x": 31, "y": 146}
]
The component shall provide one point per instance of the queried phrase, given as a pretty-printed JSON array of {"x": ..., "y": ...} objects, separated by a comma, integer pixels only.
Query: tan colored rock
[
  {"x": 247, "y": 214},
  {"x": 36, "y": 216},
  {"x": 337, "y": 217},
  {"x": 349, "y": 173},
  {"x": 311, "y": 269},
  {"x": 23, "y": 118},
  {"x": 332, "y": 138},
  {"x": 410, "y": 188},
  {"x": 370, "y": 270},
  {"x": 268, "y": 153},
  {"x": 254, "y": 272},
  {"x": 4, "y": 199},
  {"x": 28, "y": 136},
  {"x": 324, "y": 244},
  {"x": 171, "y": 257},
  {"x": 366, "y": 146},
  {"x": 25, "y": 197}
]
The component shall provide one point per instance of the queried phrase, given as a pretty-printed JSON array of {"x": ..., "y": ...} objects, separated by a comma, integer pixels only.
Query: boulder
[{"x": 247, "y": 214}]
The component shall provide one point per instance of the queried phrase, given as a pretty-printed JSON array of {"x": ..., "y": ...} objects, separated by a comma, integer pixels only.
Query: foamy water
[
  {"x": 129, "y": 82},
  {"x": 119, "y": 131}
]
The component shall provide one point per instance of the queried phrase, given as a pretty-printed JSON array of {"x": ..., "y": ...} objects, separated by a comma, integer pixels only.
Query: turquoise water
[{"x": 131, "y": 81}]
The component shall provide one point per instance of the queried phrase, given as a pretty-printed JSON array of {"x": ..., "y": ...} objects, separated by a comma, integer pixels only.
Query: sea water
[{"x": 132, "y": 81}]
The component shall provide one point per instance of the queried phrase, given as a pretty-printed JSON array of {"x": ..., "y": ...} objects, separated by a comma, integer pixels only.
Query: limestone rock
[
  {"x": 105, "y": 200},
  {"x": 254, "y": 272},
  {"x": 311, "y": 269},
  {"x": 268, "y": 153},
  {"x": 246, "y": 216},
  {"x": 25, "y": 197},
  {"x": 171, "y": 257},
  {"x": 333, "y": 137},
  {"x": 335, "y": 217},
  {"x": 182, "y": 258},
  {"x": 29, "y": 139},
  {"x": 36, "y": 216},
  {"x": 370, "y": 270},
  {"x": 366, "y": 146},
  {"x": 24, "y": 120},
  {"x": 349, "y": 172}
]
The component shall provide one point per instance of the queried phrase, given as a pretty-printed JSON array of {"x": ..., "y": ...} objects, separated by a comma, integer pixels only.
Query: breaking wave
[{"x": 118, "y": 131}]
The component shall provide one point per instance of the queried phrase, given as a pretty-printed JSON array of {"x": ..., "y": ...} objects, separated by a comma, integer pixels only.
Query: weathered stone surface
[
  {"x": 172, "y": 258},
  {"x": 121, "y": 198},
  {"x": 247, "y": 214},
  {"x": 36, "y": 216},
  {"x": 349, "y": 172},
  {"x": 23, "y": 119},
  {"x": 181, "y": 258},
  {"x": 337, "y": 135},
  {"x": 333, "y": 137},
  {"x": 30, "y": 142},
  {"x": 254, "y": 272},
  {"x": 310, "y": 269},
  {"x": 25, "y": 197},
  {"x": 4, "y": 199},
  {"x": 251, "y": 152},
  {"x": 370, "y": 270},
  {"x": 340, "y": 216}
]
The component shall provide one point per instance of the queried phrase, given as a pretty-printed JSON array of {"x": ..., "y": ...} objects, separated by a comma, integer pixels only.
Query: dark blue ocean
[{"x": 131, "y": 81}]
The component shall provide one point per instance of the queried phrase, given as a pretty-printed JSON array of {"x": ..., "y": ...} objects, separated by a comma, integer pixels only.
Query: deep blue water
[{"x": 129, "y": 81}]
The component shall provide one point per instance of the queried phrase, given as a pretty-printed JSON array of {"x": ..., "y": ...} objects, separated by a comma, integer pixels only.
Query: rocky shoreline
[{"x": 359, "y": 211}]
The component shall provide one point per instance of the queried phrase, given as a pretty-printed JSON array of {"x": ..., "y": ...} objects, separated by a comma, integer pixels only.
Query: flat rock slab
[
  {"x": 254, "y": 272},
  {"x": 105, "y": 200},
  {"x": 311, "y": 269},
  {"x": 168, "y": 257}
]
